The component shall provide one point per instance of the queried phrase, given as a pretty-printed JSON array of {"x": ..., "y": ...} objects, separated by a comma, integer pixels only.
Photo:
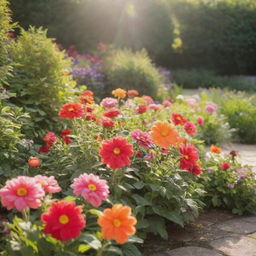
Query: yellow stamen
[
  {"x": 22, "y": 191},
  {"x": 92, "y": 187},
  {"x": 116, "y": 151},
  {"x": 117, "y": 223},
  {"x": 164, "y": 133},
  {"x": 64, "y": 219}
]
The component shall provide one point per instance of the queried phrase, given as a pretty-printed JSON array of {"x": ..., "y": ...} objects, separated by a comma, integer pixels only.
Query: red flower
[
  {"x": 166, "y": 103},
  {"x": 111, "y": 113},
  {"x": 89, "y": 109},
  {"x": 34, "y": 162},
  {"x": 196, "y": 170},
  {"x": 50, "y": 138},
  {"x": 71, "y": 110},
  {"x": 64, "y": 135},
  {"x": 106, "y": 122},
  {"x": 190, "y": 128},
  {"x": 178, "y": 119},
  {"x": 90, "y": 117},
  {"x": 141, "y": 109},
  {"x": 44, "y": 149},
  {"x": 63, "y": 220},
  {"x": 200, "y": 120},
  {"x": 224, "y": 166},
  {"x": 116, "y": 152}
]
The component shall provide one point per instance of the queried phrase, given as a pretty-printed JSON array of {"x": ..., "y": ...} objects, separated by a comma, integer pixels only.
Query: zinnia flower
[
  {"x": 21, "y": 193},
  {"x": 215, "y": 149},
  {"x": 142, "y": 138},
  {"x": 166, "y": 103},
  {"x": 189, "y": 156},
  {"x": 178, "y": 119},
  {"x": 71, "y": 110},
  {"x": 147, "y": 99},
  {"x": 64, "y": 135},
  {"x": 111, "y": 113},
  {"x": 211, "y": 107},
  {"x": 87, "y": 97},
  {"x": 154, "y": 107},
  {"x": 44, "y": 149},
  {"x": 90, "y": 117},
  {"x": 91, "y": 188},
  {"x": 106, "y": 122},
  {"x": 200, "y": 120},
  {"x": 117, "y": 223},
  {"x": 116, "y": 152},
  {"x": 141, "y": 109},
  {"x": 63, "y": 220},
  {"x": 132, "y": 93},
  {"x": 49, "y": 184},
  {"x": 50, "y": 138},
  {"x": 190, "y": 128},
  {"x": 34, "y": 162},
  {"x": 109, "y": 103},
  {"x": 119, "y": 93},
  {"x": 164, "y": 135},
  {"x": 224, "y": 166}
]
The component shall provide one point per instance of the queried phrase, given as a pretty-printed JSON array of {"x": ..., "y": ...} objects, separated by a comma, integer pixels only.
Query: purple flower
[{"x": 142, "y": 138}]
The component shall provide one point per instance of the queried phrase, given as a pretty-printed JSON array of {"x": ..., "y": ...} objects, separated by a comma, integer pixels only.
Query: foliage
[
  {"x": 132, "y": 71},
  {"x": 200, "y": 78},
  {"x": 233, "y": 188},
  {"x": 38, "y": 82}
]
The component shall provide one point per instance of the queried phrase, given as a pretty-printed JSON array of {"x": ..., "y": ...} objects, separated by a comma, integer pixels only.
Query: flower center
[
  {"x": 22, "y": 191},
  {"x": 92, "y": 187},
  {"x": 164, "y": 133},
  {"x": 71, "y": 109},
  {"x": 116, "y": 151},
  {"x": 117, "y": 223},
  {"x": 63, "y": 219}
]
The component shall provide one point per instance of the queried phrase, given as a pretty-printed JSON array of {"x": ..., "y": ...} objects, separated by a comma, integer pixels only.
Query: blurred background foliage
[{"x": 218, "y": 35}]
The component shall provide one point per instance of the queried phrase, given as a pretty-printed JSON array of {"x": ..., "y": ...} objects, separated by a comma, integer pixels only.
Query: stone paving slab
[
  {"x": 235, "y": 246},
  {"x": 190, "y": 251},
  {"x": 238, "y": 226}
]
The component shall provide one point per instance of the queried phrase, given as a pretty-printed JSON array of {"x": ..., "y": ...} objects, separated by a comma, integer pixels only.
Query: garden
[{"x": 103, "y": 149}]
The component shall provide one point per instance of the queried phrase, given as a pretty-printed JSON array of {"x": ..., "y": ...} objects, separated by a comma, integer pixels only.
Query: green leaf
[
  {"x": 140, "y": 200},
  {"x": 130, "y": 250},
  {"x": 112, "y": 249},
  {"x": 84, "y": 248},
  {"x": 95, "y": 212},
  {"x": 91, "y": 240}
]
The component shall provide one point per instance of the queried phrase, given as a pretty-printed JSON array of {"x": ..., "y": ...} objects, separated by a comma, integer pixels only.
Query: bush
[
  {"x": 228, "y": 184},
  {"x": 5, "y": 41},
  {"x": 132, "y": 71},
  {"x": 201, "y": 78},
  {"x": 39, "y": 79}
]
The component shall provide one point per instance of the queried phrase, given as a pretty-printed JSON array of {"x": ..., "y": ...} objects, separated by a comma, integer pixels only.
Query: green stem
[
  {"x": 101, "y": 250},
  {"x": 25, "y": 215}
]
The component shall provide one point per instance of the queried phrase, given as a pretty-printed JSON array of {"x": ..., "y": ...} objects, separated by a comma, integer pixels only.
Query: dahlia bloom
[
  {"x": 178, "y": 119},
  {"x": 196, "y": 170},
  {"x": 190, "y": 128},
  {"x": 116, "y": 152},
  {"x": 111, "y": 113},
  {"x": 90, "y": 117},
  {"x": 86, "y": 97},
  {"x": 164, "y": 135},
  {"x": 154, "y": 107},
  {"x": 117, "y": 223},
  {"x": 49, "y": 184},
  {"x": 71, "y": 110},
  {"x": 34, "y": 162},
  {"x": 215, "y": 149},
  {"x": 132, "y": 93},
  {"x": 142, "y": 138},
  {"x": 64, "y": 135},
  {"x": 44, "y": 149},
  {"x": 119, "y": 93},
  {"x": 200, "y": 120},
  {"x": 91, "y": 188},
  {"x": 141, "y": 109},
  {"x": 224, "y": 166},
  {"x": 189, "y": 152},
  {"x": 109, "y": 103},
  {"x": 147, "y": 99},
  {"x": 63, "y": 220},
  {"x": 211, "y": 107},
  {"x": 50, "y": 138},
  {"x": 106, "y": 122},
  {"x": 21, "y": 193}
]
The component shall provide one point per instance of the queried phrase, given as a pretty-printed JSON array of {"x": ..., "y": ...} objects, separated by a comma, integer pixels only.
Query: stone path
[{"x": 215, "y": 233}]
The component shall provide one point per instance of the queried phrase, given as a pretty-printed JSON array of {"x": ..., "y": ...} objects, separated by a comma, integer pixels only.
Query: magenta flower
[
  {"x": 109, "y": 102},
  {"x": 21, "y": 193},
  {"x": 211, "y": 107},
  {"x": 142, "y": 138},
  {"x": 49, "y": 184},
  {"x": 91, "y": 188}
]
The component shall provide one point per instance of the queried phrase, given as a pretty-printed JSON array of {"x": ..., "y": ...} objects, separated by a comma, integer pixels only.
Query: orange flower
[
  {"x": 215, "y": 149},
  {"x": 117, "y": 223},
  {"x": 119, "y": 93},
  {"x": 132, "y": 93},
  {"x": 164, "y": 135}
]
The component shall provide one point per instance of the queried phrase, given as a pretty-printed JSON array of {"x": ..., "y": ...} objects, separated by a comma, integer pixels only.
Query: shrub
[
  {"x": 132, "y": 71},
  {"x": 39, "y": 80},
  {"x": 229, "y": 184}
]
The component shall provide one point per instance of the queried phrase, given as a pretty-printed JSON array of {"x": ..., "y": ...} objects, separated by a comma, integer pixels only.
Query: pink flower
[
  {"x": 211, "y": 107},
  {"x": 224, "y": 166},
  {"x": 190, "y": 128},
  {"x": 21, "y": 193},
  {"x": 49, "y": 184},
  {"x": 200, "y": 120},
  {"x": 142, "y": 138},
  {"x": 166, "y": 103},
  {"x": 109, "y": 103},
  {"x": 154, "y": 107},
  {"x": 91, "y": 188}
]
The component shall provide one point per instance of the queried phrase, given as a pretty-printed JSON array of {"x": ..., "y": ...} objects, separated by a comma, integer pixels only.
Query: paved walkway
[{"x": 215, "y": 233}]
